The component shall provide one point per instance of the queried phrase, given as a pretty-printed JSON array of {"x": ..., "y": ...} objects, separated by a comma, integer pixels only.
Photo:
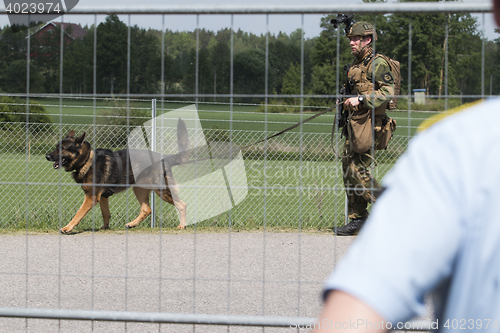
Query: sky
[{"x": 249, "y": 23}]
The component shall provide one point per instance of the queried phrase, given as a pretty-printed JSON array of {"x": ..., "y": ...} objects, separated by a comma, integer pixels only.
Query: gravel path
[{"x": 240, "y": 273}]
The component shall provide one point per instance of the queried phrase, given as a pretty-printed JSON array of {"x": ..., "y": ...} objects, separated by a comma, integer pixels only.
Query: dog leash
[
  {"x": 238, "y": 149},
  {"x": 293, "y": 126}
]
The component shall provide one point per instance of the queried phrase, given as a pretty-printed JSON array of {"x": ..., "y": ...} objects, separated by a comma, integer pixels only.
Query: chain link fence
[{"x": 290, "y": 169}]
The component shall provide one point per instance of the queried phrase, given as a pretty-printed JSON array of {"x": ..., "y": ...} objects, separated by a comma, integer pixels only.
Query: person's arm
[
  {"x": 384, "y": 83},
  {"x": 348, "y": 314}
]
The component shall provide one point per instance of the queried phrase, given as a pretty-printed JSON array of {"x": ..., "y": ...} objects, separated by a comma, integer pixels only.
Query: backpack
[{"x": 396, "y": 70}]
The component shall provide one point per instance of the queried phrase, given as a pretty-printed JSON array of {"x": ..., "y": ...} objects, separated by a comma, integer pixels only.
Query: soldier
[{"x": 371, "y": 79}]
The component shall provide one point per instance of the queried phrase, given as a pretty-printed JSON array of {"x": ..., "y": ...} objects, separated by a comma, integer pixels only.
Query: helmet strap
[{"x": 367, "y": 49}]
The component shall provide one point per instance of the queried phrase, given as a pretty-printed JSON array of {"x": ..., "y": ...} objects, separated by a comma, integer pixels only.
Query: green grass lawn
[{"x": 219, "y": 116}]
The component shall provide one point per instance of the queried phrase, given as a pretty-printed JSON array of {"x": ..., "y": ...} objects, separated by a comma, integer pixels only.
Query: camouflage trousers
[{"x": 360, "y": 186}]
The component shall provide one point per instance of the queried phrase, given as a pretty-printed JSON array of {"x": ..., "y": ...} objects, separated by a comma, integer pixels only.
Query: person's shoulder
[
  {"x": 470, "y": 134},
  {"x": 484, "y": 112},
  {"x": 380, "y": 64},
  {"x": 380, "y": 59},
  {"x": 382, "y": 69}
]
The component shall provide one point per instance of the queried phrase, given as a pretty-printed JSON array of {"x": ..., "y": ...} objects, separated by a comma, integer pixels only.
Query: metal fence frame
[{"x": 427, "y": 7}]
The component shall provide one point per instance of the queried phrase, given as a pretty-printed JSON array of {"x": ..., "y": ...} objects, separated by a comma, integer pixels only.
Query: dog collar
[{"x": 86, "y": 167}]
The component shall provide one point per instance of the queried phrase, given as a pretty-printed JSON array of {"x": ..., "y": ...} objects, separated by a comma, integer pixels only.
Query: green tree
[
  {"x": 178, "y": 46},
  {"x": 428, "y": 51},
  {"x": 15, "y": 74},
  {"x": 112, "y": 55},
  {"x": 323, "y": 83},
  {"x": 282, "y": 52},
  {"x": 490, "y": 67},
  {"x": 291, "y": 84},
  {"x": 179, "y": 42},
  {"x": 249, "y": 74},
  {"x": 495, "y": 72},
  {"x": 78, "y": 65},
  {"x": 205, "y": 73},
  {"x": 145, "y": 62},
  {"x": 221, "y": 62},
  {"x": 12, "y": 45}
]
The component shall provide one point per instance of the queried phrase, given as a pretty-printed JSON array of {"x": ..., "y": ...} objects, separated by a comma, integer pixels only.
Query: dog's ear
[
  {"x": 80, "y": 139},
  {"x": 71, "y": 134}
]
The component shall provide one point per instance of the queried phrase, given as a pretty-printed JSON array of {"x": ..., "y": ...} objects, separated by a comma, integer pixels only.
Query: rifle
[{"x": 342, "y": 115}]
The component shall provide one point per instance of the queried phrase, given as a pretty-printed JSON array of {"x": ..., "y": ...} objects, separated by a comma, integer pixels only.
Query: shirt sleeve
[
  {"x": 384, "y": 83},
  {"x": 408, "y": 245}
]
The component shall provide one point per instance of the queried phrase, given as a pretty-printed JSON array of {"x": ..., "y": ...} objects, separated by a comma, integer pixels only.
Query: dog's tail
[
  {"x": 182, "y": 136},
  {"x": 182, "y": 143}
]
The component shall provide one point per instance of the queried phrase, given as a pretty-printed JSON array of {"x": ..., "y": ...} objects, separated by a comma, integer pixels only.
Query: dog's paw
[
  {"x": 65, "y": 230},
  {"x": 129, "y": 226},
  {"x": 180, "y": 227},
  {"x": 104, "y": 227}
]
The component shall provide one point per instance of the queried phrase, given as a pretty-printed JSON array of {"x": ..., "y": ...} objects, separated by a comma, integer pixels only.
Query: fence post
[{"x": 153, "y": 148}]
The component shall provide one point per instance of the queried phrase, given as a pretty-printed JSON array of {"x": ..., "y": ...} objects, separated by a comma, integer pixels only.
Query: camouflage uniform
[{"x": 361, "y": 187}]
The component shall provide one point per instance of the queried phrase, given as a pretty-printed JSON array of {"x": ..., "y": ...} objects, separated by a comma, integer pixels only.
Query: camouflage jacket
[{"x": 377, "y": 93}]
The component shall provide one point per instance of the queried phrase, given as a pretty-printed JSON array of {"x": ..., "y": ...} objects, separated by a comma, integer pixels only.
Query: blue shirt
[{"x": 436, "y": 227}]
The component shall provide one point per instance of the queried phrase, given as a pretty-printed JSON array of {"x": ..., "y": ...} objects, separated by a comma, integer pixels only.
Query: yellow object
[{"x": 438, "y": 117}]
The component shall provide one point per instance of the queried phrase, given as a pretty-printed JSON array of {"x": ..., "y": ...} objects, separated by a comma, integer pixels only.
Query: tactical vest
[
  {"x": 360, "y": 124},
  {"x": 360, "y": 84}
]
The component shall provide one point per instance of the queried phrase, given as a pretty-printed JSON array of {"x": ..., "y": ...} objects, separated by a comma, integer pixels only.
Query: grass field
[
  {"x": 296, "y": 185},
  {"x": 218, "y": 116}
]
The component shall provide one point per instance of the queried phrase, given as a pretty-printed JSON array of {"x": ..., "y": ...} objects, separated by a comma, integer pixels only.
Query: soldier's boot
[{"x": 352, "y": 228}]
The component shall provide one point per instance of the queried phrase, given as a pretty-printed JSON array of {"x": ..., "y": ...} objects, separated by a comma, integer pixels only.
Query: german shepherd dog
[{"x": 103, "y": 172}]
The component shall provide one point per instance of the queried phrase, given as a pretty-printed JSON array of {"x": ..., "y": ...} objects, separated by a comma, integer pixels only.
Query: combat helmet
[{"x": 362, "y": 28}]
